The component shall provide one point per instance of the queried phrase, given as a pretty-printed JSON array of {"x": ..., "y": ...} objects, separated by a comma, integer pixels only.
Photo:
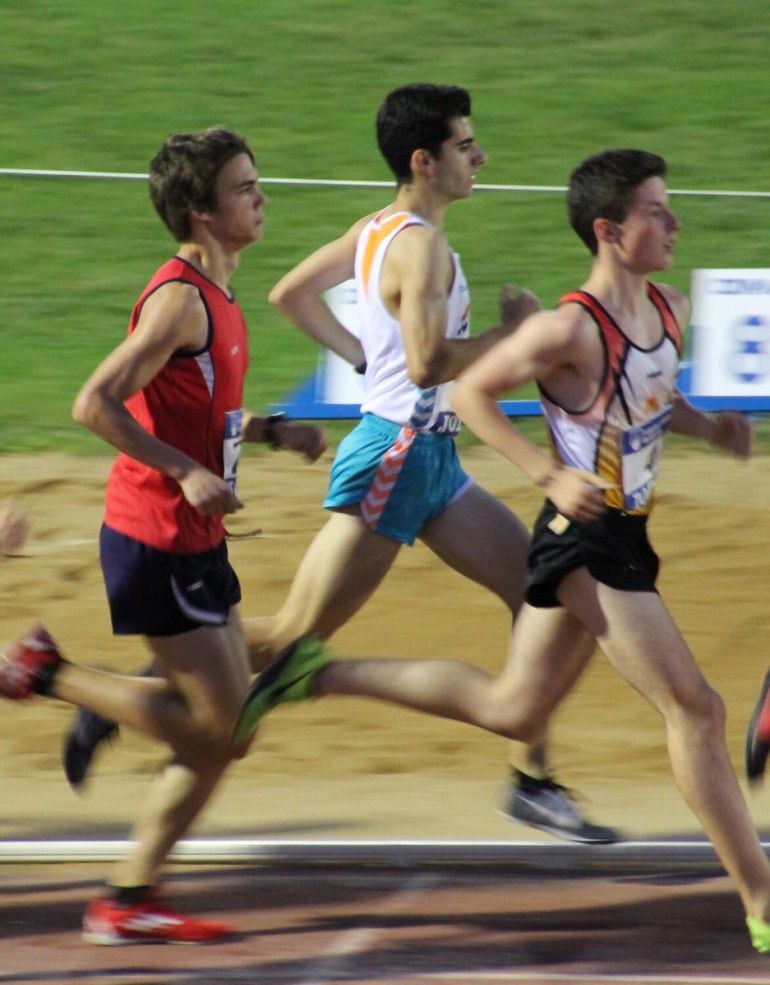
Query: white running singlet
[{"x": 388, "y": 391}]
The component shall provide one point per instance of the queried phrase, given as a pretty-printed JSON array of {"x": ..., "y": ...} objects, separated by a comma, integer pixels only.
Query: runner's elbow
[
  {"x": 282, "y": 296},
  {"x": 428, "y": 371},
  {"x": 85, "y": 407}
]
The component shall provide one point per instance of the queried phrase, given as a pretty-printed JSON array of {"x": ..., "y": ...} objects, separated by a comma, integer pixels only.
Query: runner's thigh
[
  {"x": 481, "y": 538},
  {"x": 209, "y": 666},
  {"x": 638, "y": 636},
  {"x": 547, "y": 655},
  {"x": 341, "y": 569}
]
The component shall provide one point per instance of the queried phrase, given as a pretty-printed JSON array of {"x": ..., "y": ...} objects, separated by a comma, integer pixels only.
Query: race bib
[
  {"x": 447, "y": 422},
  {"x": 231, "y": 450},
  {"x": 641, "y": 449},
  {"x": 432, "y": 412}
]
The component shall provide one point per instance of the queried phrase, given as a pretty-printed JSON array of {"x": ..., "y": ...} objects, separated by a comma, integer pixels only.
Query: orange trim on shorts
[{"x": 386, "y": 477}]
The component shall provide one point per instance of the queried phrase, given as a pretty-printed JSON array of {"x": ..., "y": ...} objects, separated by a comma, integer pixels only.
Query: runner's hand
[
  {"x": 733, "y": 434},
  {"x": 516, "y": 304},
  {"x": 306, "y": 439},
  {"x": 208, "y": 493},
  {"x": 577, "y": 493}
]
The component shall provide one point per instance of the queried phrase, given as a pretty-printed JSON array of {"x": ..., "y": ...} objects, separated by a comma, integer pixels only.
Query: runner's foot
[
  {"x": 759, "y": 931},
  {"x": 107, "y": 922},
  {"x": 290, "y": 677},
  {"x": 548, "y": 806},
  {"x": 87, "y": 733},
  {"x": 28, "y": 664},
  {"x": 758, "y": 735}
]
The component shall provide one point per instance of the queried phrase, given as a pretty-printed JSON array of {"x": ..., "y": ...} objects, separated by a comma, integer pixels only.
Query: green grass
[{"x": 87, "y": 86}]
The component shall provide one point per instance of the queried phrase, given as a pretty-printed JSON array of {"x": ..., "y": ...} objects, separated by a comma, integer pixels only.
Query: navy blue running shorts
[
  {"x": 154, "y": 593},
  {"x": 614, "y": 548}
]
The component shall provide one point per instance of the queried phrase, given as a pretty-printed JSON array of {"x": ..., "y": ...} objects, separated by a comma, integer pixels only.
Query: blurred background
[{"x": 86, "y": 86}]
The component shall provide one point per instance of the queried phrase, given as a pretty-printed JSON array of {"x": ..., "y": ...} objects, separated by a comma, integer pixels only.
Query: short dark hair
[
  {"x": 417, "y": 117},
  {"x": 603, "y": 186},
  {"x": 184, "y": 172}
]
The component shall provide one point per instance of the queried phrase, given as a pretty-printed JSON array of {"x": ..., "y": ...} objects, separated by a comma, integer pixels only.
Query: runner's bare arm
[
  {"x": 416, "y": 281},
  {"x": 729, "y": 431},
  {"x": 299, "y": 294},
  {"x": 172, "y": 319},
  {"x": 544, "y": 344}
]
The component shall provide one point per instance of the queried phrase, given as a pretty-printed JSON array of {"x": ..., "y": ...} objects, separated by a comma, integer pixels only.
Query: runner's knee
[
  {"x": 714, "y": 708},
  {"x": 514, "y": 719},
  {"x": 211, "y": 746},
  {"x": 702, "y": 706},
  {"x": 211, "y": 736}
]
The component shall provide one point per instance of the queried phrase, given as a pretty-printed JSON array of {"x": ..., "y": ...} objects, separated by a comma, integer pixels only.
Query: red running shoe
[
  {"x": 758, "y": 734},
  {"x": 105, "y": 922},
  {"x": 27, "y": 665}
]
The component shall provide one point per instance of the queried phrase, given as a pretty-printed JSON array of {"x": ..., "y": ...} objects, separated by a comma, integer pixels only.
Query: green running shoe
[
  {"x": 290, "y": 677},
  {"x": 760, "y": 934}
]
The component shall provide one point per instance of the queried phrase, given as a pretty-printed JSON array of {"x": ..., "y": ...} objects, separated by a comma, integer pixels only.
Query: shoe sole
[
  {"x": 561, "y": 833},
  {"x": 110, "y": 940}
]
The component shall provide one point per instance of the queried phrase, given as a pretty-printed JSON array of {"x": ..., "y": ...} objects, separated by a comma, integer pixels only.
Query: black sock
[
  {"x": 45, "y": 677},
  {"x": 527, "y": 782},
  {"x": 130, "y": 895}
]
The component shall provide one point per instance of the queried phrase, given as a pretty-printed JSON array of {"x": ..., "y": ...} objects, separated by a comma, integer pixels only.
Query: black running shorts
[
  {"x": 614, "y": 548},
  {"x": 154, "y": 593}
]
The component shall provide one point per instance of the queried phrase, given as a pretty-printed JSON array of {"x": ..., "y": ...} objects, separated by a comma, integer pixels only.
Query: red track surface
[{"x": 380, "y": 925}]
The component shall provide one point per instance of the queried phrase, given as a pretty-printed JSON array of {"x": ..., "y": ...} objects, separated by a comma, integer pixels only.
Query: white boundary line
[
  {"x": 341, "y": 183},
  {"x": 546, "y": 977},
  {"x": 348, "y": 950},
  {"x": 380, "y": 852}
]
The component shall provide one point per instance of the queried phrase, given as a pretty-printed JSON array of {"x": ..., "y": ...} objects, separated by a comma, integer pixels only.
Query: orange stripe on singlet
[
  {"x": 608, "y": 462},
  {"x": 376, "y": 233}
]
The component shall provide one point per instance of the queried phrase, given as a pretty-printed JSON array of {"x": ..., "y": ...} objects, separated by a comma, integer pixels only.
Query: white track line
[
  {"x": 533, "y": 977},
  {"x": 345, "y": 954},
  {"x": 383, "y": 851},
  {"x": 348, "y": 183}
]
